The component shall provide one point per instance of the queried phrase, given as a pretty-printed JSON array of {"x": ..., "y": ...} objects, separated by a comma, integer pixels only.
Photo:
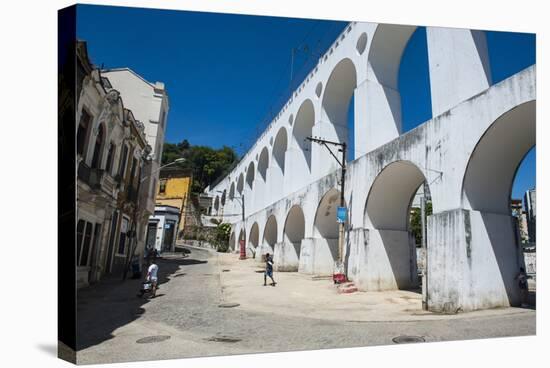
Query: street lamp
[
  {"x": 134, "y": 224},
  {"x": 176, "y": 161}
]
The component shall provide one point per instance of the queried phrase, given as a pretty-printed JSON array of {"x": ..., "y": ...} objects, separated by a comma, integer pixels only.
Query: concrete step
[{"x": 321, "y": 277}]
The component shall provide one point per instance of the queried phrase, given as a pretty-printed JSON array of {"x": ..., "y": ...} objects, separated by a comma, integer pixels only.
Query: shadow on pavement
[
  {"x": 112, "y": 303},
  {"x": 50, "y": 349}
]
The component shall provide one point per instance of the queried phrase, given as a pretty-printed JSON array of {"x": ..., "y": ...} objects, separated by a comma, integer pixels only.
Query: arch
[
  {"x": 254, "y": 235},
  {"x": 279, "y": 148},
  {"x": 390, "y": 196},
  {"x": 263, "y": 163},
  {"x": 250, "y": 175},
  {"x": 387, "y": 46},
  {"x": 224, "y": 195},
  {"x": 387, "y": 231},
  {"x": 492, "y": 166},
  {"x": 325, "y": 225},
  {"x": 232, "y": 191},
  {"x": 270, "y": 232},
  {"x": 339, "y": 89},
  {"x": 232, "y": 241},
  {"x": 217, "y": 203},
  {"x": 294, "y": 228},
  {"x": 240, "y": 184},
  {"x": 303, "y": 126}
]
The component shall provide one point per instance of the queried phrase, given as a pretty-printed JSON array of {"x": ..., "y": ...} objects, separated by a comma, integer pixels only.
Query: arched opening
[
  {"x": 254, "y": 237},
  {"x": 295, "y": 225},
  {"x": 250, "y": 175},
  {"x": 270, "y": 234},
  {"x": 287, "y": 252},
  {"x": 487, "y": 189},
  {"x": 414, "y": 81},
  {"x": 232, "y": 241},
  {"x": 279, "y": 148},
  {"x": 336, "y": 102},
  {"x": 232, "y": 191},
  {"x": 223, "y": 197},
  {"x": 263, "y": 163},
  {"x": 217, "y": 203},
  {"x": 303, "y": 125},
  {"x": 325, "y": 225},
  {"x": 388, "y": 45},
  {"x": 98, "y": 147},
  {"x": 387, "y": 221},
  {"x": 240, "y": 184},
  {"x": 493, "y": 164}
]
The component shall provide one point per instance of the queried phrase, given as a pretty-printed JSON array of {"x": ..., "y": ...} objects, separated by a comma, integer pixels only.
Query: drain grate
[
  {"x": 226, "y": 270},
  {"x": 152, "y": 339},
  {"x": 223, "y": 339},
  {"x": 408, "y": 339},
  {"x": 228, "y": 305}
]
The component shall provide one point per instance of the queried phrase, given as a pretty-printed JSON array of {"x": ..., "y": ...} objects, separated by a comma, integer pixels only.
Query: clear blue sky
[{"x": 226, "y": 75}]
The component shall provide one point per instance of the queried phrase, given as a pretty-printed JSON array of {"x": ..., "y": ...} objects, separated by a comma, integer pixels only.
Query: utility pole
[
  {"x": 243, "y": 244},
  {"x": 341, "y": 223}
]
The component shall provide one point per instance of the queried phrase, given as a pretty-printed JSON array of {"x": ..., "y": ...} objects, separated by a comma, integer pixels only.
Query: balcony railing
[
  {"x": 90, "y": 176},
  {"x": 96, "y": 179}
]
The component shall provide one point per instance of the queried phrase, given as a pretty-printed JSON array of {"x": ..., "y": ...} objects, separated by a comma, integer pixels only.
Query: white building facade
[
  {"x": 161, "y": 232},
  {"x": 467, "y": 155},
  {"x": 150, "y": 105}
]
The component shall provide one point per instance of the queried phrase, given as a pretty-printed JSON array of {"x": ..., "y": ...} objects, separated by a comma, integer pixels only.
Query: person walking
[
  {"x": 523, "y": 287},
  {"x": 152, "y": 276},
  {"x": 269, "y": 270}
]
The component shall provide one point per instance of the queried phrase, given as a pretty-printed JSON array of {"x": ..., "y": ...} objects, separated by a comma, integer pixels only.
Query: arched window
[{"x": 98, "y": 148}]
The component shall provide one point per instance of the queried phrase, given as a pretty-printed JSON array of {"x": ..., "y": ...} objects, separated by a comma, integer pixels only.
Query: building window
[
  {"x": 123, "y": 159},
  {"x": 162, "y": 186},
  {"x": 133, "y": 171},
  {"x": 98, "y": 148},
  {"x": 110, "y": 157},
  {"x": 83, "y": 238},
  {"x": 82, "y": 132},
  {"x": 123, "y": 235}
]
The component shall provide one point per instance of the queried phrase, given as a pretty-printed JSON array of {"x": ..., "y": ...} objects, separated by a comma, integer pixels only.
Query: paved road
[{"x": 111, "y": 320}]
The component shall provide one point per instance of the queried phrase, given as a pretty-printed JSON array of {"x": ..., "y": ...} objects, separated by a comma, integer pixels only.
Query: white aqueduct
[{"x": 468, "y": 154}]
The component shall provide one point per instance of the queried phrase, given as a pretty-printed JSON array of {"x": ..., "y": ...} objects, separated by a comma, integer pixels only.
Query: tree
[
  {"x": 416, "y": 223},
  {"x": 206, "y": 163}
]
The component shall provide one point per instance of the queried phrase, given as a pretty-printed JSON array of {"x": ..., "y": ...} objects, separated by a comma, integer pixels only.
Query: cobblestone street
[{"x": 112, "y": 319}]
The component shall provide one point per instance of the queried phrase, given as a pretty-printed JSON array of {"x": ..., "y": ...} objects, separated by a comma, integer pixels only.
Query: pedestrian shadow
[{"x": 110, "y": 304}]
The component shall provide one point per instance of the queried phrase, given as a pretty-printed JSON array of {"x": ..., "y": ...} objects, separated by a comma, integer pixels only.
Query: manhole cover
[
  {"x": 228, "y": 305},
  {"x": 151, "y": 339},
  {"x": 407, "y": 339},
  {"x": 223, "y": 339},
  {"x": 226, "y": 270}
]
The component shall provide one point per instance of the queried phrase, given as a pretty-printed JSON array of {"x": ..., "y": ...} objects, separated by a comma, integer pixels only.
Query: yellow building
[{"x": 173, "y": 190}]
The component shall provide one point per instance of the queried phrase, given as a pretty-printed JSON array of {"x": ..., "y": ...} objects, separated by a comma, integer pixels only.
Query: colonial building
[
  {"x": 112, "y": 153},
  {"x": 174, "y": 190}
]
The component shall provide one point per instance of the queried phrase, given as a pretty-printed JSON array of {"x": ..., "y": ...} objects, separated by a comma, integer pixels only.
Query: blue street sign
[{"x": 341, "y": 214}]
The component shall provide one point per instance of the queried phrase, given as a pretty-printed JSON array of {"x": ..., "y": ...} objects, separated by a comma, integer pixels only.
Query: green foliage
[
  {"x": 206, "y": 163},
  {"x": 416, "y": 223},
  {"x": 221, "y": 238}
]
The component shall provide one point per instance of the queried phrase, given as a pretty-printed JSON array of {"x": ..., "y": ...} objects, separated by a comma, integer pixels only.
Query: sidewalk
[{"x": 300, "y": 295}]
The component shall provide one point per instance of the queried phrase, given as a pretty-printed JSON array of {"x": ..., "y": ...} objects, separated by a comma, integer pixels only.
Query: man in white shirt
[{"x": 152, "y": 276}]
